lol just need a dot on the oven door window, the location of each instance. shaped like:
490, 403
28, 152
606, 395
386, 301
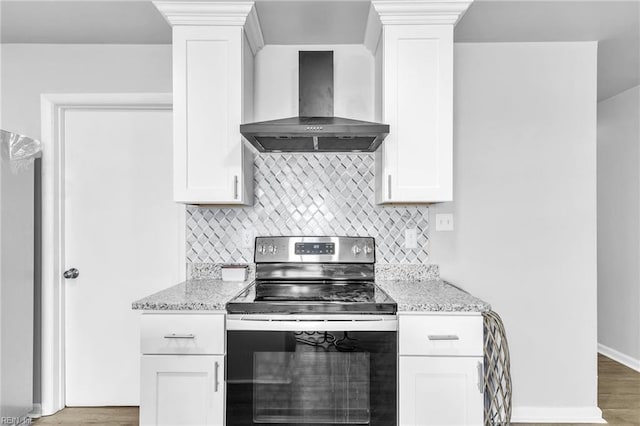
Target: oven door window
311, 378
311, 385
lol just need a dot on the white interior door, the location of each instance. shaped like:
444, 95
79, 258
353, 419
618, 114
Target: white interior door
125, 235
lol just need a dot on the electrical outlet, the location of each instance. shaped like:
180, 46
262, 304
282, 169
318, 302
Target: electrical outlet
248, 238
411, 238
444, 222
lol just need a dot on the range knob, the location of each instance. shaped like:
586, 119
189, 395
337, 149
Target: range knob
367, 250
271, 249
356, 250
262, 249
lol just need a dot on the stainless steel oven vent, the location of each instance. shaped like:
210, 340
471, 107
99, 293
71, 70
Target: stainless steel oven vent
316, 129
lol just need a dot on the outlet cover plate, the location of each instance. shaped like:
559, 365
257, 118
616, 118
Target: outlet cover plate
444, 222
248, 238
411, 238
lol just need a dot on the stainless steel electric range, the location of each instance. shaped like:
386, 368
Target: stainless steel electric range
313, 340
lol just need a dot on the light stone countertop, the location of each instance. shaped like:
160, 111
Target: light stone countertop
192, 295
431, 296
410, 295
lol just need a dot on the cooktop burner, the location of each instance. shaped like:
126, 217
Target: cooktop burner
347, 292
296, 275
309, 298
300, 298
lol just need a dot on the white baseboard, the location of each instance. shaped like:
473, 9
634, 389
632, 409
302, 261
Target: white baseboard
619, 357
557, 415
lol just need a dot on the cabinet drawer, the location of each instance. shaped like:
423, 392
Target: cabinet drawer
182, 334
440, 335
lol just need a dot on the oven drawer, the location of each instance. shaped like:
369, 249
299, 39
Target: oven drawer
440, 335
182, 334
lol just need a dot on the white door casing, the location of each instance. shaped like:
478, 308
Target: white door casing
57, 112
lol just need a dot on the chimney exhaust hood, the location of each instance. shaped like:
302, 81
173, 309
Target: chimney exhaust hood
315, 129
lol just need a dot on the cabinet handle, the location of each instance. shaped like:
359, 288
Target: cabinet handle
389, 187
480, 377
180, 336
235, 187
443, 337
215, 373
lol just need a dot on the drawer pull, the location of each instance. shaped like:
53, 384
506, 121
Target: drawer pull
443, 337
216, 382
180, 336
235, 187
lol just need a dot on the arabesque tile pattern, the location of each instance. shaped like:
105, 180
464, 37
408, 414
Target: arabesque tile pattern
308, 194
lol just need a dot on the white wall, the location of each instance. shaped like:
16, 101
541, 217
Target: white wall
31, 69
619, 226
525, 214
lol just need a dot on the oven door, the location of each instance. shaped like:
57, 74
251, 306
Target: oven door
304, 370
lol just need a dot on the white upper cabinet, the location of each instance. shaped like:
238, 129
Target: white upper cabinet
413, 45
214, 44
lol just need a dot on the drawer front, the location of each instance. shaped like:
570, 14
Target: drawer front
182, 334
440, 335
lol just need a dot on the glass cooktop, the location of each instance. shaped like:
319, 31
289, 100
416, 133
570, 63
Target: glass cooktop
298, 297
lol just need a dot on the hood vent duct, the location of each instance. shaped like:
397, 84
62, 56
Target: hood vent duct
315, 129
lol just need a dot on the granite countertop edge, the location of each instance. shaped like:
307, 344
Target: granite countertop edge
178, 306
410, 295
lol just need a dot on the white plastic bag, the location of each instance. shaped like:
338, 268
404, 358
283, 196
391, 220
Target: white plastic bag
19, 150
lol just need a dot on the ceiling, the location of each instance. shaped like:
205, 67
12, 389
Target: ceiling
615, 24
88, 21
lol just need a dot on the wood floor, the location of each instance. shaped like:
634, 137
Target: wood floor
618, 392
618, 397
108, 416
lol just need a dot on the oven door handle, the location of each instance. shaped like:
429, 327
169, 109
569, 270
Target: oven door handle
260, 323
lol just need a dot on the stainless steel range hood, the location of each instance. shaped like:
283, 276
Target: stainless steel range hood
315, 129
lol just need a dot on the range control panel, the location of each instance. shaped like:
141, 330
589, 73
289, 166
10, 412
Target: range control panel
315, 250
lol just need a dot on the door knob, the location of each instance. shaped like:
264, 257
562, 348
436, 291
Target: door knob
71, 273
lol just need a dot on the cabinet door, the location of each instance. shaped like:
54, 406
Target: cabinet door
210, 159
182, 390
417, 82
440, 391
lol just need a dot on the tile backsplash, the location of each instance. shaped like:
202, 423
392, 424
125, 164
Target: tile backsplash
308, 194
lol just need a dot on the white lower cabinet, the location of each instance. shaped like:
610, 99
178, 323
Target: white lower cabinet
182, 374
440, 391
440, 370
182, 390
183, 369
